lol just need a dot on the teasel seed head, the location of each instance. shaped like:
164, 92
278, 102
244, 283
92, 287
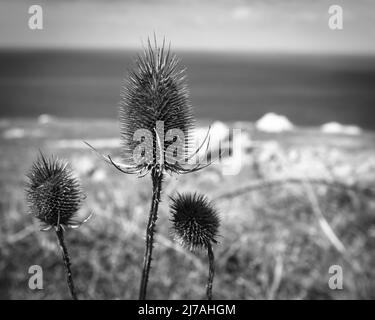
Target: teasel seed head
195, 221
155, 100
155, 91
53, 194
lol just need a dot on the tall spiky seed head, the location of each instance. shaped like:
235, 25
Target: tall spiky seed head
195, 221
155, 92
53, 194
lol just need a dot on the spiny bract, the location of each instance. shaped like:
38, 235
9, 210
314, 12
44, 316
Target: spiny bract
195, 220
53, 194
155, 92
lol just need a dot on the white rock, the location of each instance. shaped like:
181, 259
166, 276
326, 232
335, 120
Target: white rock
272, 122
337, 128
45, 118
219, 130
14, 133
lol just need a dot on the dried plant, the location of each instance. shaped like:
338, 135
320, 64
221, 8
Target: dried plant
195, 224
155, 100
54, 197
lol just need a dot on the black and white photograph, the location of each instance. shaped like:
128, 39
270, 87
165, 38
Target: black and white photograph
187, 150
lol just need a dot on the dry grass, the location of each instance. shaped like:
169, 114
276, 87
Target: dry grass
272, 245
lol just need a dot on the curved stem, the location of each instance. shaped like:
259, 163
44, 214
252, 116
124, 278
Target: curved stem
65, 255
157, 178
211, 271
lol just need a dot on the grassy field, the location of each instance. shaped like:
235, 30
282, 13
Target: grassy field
276, 239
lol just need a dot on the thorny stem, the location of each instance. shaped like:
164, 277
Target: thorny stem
211, 271
65, 255
157, 178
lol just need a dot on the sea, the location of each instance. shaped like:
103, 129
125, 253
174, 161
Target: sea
308, 89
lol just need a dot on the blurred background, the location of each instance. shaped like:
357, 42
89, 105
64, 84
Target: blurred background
303, 95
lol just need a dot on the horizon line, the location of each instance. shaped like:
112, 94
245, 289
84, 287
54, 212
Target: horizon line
235, 51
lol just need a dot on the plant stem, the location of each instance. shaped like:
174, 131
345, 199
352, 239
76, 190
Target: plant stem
211, 271
157, 178
65, 255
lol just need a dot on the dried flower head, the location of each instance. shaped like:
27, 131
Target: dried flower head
195, 220
155, 101
155, 98
155, 91
53, 194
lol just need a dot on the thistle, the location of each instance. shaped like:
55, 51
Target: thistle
54, 197
154, 104
155, 100
195, 224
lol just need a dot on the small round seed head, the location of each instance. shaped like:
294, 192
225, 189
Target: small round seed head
195, 221
54, 196
155, 92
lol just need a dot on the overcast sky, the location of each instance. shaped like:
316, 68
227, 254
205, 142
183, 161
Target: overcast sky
231, 25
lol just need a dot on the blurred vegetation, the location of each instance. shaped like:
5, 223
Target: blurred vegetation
272, 244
